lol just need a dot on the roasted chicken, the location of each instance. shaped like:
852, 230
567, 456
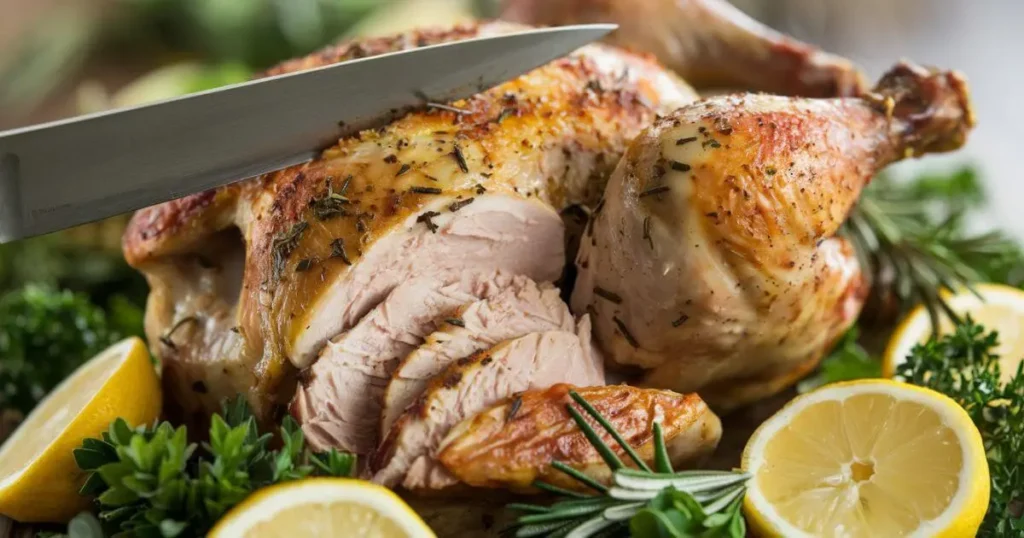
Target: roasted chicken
713, 263
400, 295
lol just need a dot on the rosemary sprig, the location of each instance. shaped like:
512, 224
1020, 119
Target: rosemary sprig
911, 241
639, 502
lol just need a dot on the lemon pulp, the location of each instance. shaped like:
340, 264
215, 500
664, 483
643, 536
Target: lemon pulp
869, 465
345, 518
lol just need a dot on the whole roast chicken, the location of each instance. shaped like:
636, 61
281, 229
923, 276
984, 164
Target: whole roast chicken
402, 295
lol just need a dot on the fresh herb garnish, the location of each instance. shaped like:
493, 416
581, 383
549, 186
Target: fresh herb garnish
963, 366
912, 243
640, 502
149, 481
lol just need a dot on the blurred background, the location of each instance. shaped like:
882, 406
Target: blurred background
60, 58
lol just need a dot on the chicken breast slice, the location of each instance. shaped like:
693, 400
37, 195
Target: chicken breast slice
513, 443
407, 456
516, 311
338, 399
323, 242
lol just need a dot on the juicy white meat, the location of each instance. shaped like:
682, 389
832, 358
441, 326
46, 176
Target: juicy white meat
407, 456
717, 240
513, 443
338, 399
325, 241
515, 312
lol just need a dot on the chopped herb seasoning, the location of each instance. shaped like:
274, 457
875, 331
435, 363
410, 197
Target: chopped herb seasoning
770, 170
304, 265
647, 232
404, 168
165, 338
391, 159
655, 190
687, 140
449, 108
480, 189
455, 206
236, 330
426, 218
460, 158
331, 204
605, 294
514, 409
625, 332
681, 320
594, 85
425, 190
505, 112
455, 321
680, 167
710, 142
338, 251
344, 186
600, 206
284, 245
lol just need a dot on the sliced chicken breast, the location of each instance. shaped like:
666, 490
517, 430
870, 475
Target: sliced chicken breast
407, 456
476, 183
338, 399
512, 444
516, 311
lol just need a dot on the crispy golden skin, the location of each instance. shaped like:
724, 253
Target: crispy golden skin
512, 444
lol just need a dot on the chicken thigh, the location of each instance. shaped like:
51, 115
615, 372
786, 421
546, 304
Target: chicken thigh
712, 263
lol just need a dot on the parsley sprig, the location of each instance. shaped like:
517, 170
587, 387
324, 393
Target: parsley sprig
640, 501
150, 481
963, 366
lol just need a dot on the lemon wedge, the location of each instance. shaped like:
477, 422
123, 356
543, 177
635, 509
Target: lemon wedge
39, 480
322, 507
1000, 308
867, 458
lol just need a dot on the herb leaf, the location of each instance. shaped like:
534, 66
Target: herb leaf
150, 481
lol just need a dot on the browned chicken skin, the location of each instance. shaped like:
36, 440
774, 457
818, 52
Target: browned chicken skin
512, 444
709, 43
710, 261
717, 237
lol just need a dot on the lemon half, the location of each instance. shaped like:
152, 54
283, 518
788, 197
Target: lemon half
867, 459
322, 507
1001, 308
39, 480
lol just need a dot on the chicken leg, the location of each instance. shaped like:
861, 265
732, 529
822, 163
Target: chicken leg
713, 263
710, 43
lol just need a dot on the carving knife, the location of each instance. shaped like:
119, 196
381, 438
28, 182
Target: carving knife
70, 172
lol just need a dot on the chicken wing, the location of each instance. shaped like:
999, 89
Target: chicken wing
709, 42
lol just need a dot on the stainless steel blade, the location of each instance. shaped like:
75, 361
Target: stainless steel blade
70, 172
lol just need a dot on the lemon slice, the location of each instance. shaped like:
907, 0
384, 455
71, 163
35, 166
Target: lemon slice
1002, 310
867, 459
39, 480
322, 507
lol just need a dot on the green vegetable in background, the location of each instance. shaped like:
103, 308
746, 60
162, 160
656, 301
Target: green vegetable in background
847, 360
44, 335
962, 366
149, 481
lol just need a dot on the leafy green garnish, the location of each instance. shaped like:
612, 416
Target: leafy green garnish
44, 335
912, 240
150, 481
963, 366
640, 502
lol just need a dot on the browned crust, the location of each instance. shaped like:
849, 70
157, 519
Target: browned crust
513, 443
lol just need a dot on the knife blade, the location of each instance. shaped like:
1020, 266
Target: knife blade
71, 172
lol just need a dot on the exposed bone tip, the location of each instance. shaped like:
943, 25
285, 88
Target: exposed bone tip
931, 108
